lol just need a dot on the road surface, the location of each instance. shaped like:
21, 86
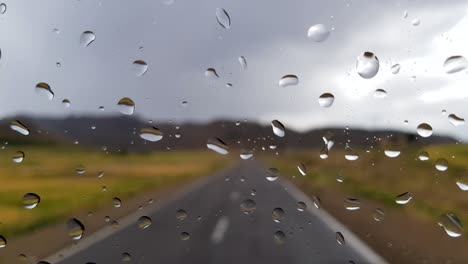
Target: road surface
218, 231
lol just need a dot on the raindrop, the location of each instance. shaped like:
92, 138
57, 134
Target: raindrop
115, 224
211, 74
151, 134
441, 164
404, 198
18, 157
87, 38
367, 65
324, 153
329, 140
455, 64
248, 206
278, 128
243, 63
218, 146
58, 64
17, 126
340, 239
80, 169
326, 100
352, 204
302, 169
351, 155
181, 215
288, 80
279, 237
380, 93
66, 103
43, 89
139, 67
318, 33
223, 18
391, 153
144, 222
423, 156
3, 242
424, 130
277, 214
3, 8
451, 225
455, 120
31, 200
317, 202
184, 236
126, 106
75, 229
246, 154
415, 22
462, 184
301, 206
396, 68
378, 215
117, 202
272, 174
126, 257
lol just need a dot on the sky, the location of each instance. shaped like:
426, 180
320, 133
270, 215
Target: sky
180, 39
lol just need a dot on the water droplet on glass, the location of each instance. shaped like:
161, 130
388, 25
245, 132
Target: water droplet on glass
404, 198
223, 18
415, 22
43, 89
75, 229
151, 134
139, 67
279, 237
317, 202
424, 130
17, 126
80, 169
211, 74
272, 174
367, 65
18, 157
352, 204
87, 38
31, 200
3, 8
288, 80
301, 206
66, 103
396, 68
351, 155
144, 222
248, 206
380, 93
126, 257
115, 224
423, 156
116, 202
184, 236
246, 154
3, 242
278, 128
455, 120
318, 33
277, 214
378, 215
441, 164
340, 239
126, 106
181, 215
391, 153
463, 184
218, 146
455, 64
451, 225
243, 63
302, 169
326, 100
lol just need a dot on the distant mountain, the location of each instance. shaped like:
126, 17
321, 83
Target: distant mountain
122, 133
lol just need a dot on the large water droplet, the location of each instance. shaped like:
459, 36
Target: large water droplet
80, 169
302, 169
248, 206
278, 214
380, 93
144, 222
318, 33
463, 184
396, 68
404, 198
246, 154
243, 63
75, 229
126, 257
116, 202
367, 65
151, 134
329, 140
218, 146
441, 164
3, 242
378, 215
18, 157
352, 204
351, 155
31, 200
317, 202
223, 18
43, 89
451, 225
3, 8
340, 239
455, 120
301, 206
455, 64
126, 106
139, 68
272, 174
181, 214
278, 128
66, 103
423, 156
279, 237
424, 130
326, 100
184, 236
211, 74
392, 153
87, 38
288, 80
17, 126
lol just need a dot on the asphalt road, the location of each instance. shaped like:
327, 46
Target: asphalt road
219, 232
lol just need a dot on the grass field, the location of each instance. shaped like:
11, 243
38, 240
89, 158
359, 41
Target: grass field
50, 172
377, 177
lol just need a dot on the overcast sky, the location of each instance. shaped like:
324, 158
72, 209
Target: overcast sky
180, 39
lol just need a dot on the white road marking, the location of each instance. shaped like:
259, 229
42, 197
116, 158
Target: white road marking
220, 229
